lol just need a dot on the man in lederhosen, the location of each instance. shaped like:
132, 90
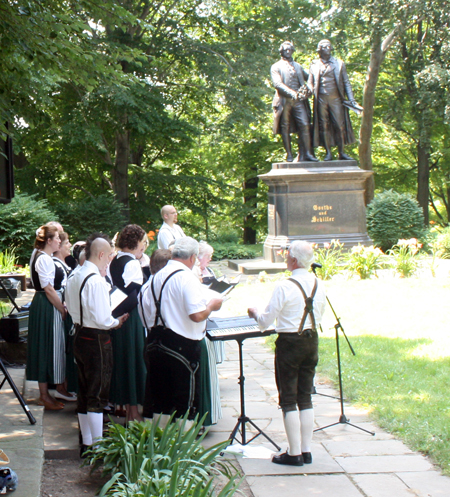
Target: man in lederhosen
297, 304
93, 322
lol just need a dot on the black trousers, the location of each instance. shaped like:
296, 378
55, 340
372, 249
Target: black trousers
173, 374
93, 352
296, 358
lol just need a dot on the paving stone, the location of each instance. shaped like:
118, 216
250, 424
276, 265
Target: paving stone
366, 448
384, 464
27, 463
427, 484
346, 432
382, 486
322, 463
303, 486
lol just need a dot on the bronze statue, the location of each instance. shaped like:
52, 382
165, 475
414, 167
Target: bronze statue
290, 104
329, 83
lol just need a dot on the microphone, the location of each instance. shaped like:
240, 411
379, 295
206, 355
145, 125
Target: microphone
315, 265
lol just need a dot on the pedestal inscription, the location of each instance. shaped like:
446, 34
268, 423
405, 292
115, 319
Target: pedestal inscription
316, 202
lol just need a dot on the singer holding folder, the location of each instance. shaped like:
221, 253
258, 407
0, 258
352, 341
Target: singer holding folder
129, 372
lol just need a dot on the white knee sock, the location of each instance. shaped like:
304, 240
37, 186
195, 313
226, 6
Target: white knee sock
292, 426
85, 429
96, 425
306, 428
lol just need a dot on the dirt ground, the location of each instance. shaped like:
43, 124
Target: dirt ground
65, 478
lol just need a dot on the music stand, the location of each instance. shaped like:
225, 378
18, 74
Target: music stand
5, 372
338, 326
243, 418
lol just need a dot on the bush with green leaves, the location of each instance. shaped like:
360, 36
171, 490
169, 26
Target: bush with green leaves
235, 251
81, 218
19, 221
144, 460
392, 216
442, 240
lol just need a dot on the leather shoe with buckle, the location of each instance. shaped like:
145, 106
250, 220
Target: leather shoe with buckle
288, 460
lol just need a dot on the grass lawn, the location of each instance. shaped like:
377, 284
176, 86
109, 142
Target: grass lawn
400, 330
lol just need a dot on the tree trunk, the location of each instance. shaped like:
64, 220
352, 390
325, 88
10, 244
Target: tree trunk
377, 55
250, 201
120, 171
423, 179
365, 133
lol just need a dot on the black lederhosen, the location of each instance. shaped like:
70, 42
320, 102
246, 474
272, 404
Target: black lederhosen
92, 349
296, 358
172, 373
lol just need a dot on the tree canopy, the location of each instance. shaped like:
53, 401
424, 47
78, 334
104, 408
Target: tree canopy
169, 101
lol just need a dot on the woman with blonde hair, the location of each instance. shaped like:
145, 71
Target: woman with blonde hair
46, 342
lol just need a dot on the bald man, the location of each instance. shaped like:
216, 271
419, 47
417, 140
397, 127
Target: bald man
87, 300
169, 231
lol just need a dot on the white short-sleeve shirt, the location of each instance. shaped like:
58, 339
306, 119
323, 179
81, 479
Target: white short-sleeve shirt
182, 296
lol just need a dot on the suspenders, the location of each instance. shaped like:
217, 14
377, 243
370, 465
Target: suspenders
309, 306
157, 301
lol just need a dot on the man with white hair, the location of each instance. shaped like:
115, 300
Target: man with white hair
297, 304
173, 308
169, 231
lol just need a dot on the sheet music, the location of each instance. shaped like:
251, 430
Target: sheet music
117, 297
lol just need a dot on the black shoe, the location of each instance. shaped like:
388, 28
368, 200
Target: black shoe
307, 457
344, 157
83, 450
288, 460
328, 157
289, 158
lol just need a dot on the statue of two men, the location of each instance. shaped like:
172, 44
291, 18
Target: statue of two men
328, 82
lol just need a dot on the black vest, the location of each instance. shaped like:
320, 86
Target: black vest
116, 268
59, 275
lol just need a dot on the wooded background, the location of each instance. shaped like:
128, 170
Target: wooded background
152, 102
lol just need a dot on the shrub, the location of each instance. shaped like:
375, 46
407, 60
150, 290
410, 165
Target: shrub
235, 251
443, 241
19, 221
391, 216
80, 218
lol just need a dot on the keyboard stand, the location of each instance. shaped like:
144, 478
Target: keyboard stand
243, 419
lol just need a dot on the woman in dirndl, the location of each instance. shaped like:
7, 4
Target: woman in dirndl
129, 371
46, 361
59, 258
211, 352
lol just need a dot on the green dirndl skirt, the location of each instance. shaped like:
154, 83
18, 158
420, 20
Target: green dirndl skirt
71, 365
40, 357
129, 371
205, 385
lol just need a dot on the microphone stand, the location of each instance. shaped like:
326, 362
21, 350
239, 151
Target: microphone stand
338, 326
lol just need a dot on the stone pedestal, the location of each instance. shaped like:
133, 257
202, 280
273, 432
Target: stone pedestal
316, 202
